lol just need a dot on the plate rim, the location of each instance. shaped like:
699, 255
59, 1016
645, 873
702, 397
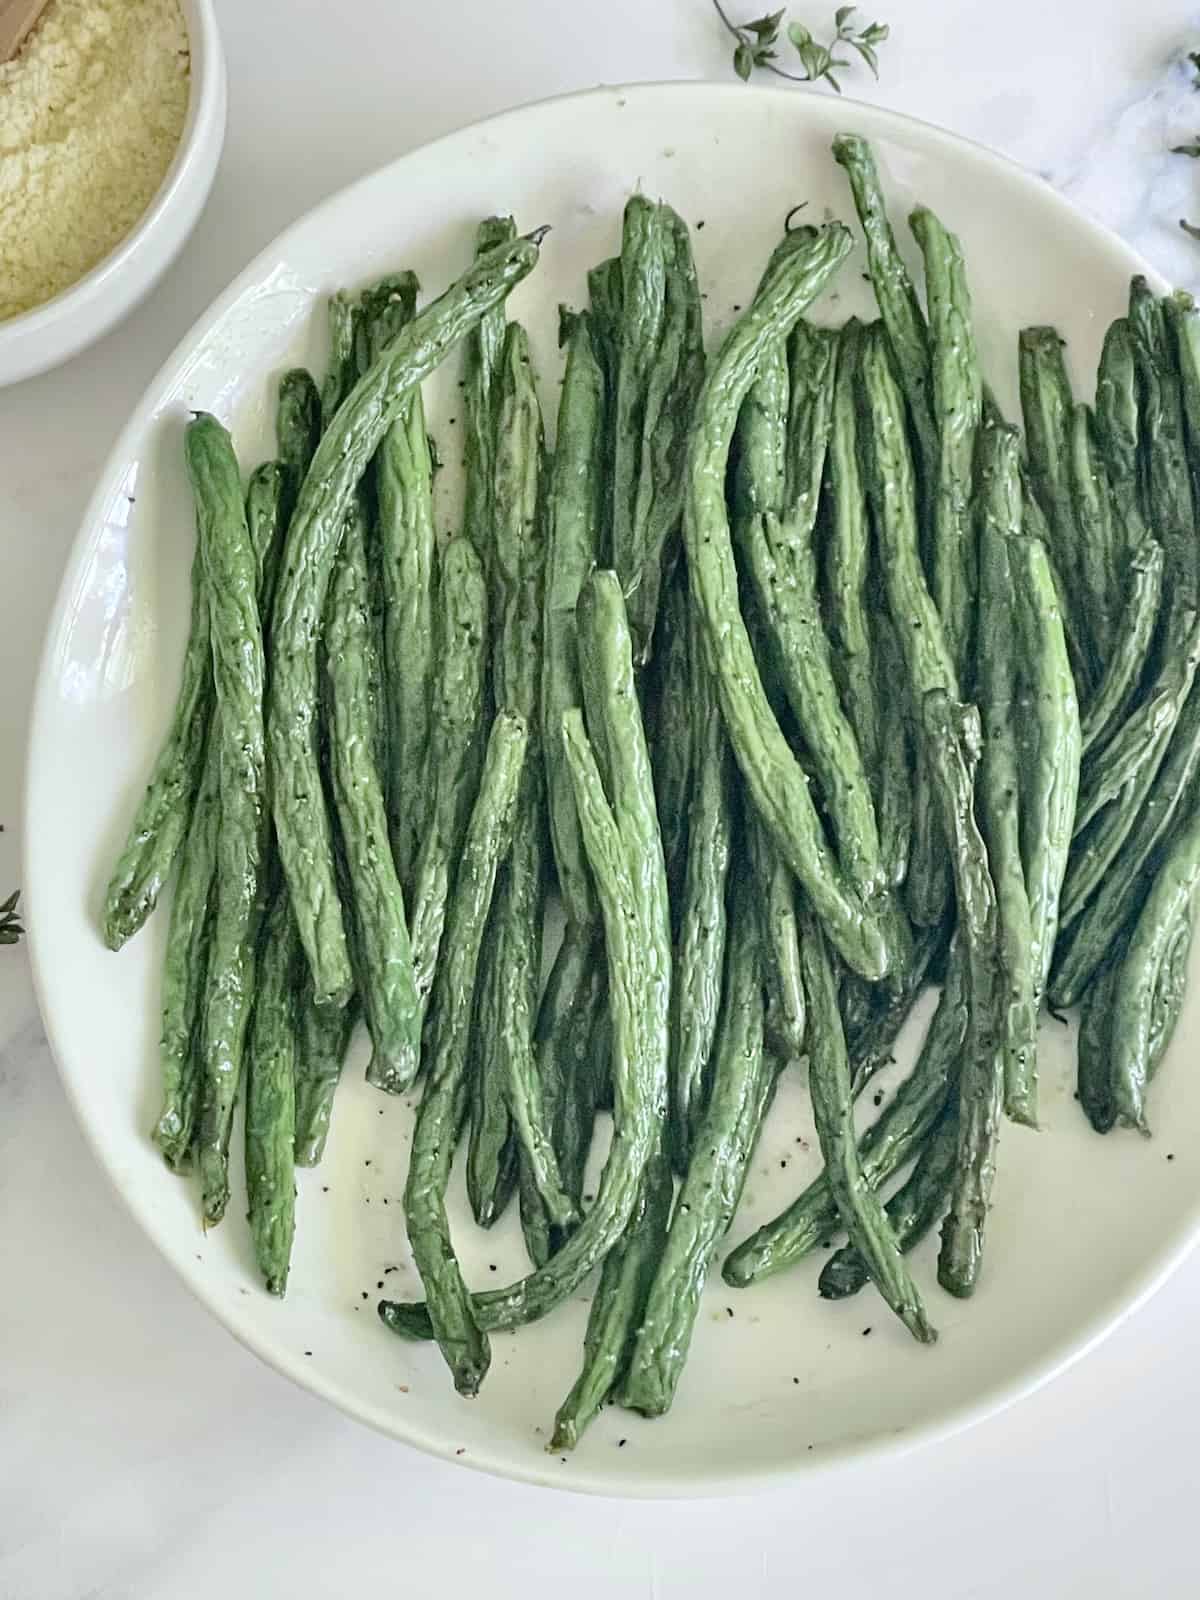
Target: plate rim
862, 116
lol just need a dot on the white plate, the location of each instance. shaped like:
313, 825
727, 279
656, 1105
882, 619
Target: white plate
777, 1381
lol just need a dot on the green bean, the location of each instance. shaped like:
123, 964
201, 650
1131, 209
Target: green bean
776, 887
906, 331
574, 549
911, 1212
456, 739
801, 267
323, 1036
1047, 405
887, 1146
894, 769
572, 999
160, 824
1116, 762
742, 1084
761, 456
271, 1096
673, 739
482, 351
519, 547
185, 963
1036, 526
782, 563
1118, 424
924, 648
612, 709
1138, 748
1050, 769
604, 293
872, 1043
956, 392
846, 566
859, 1206
1183, 333
238, 674
617, 1307
857, 1000
384, 310
954, 733
700, 940
624, 851
1163, 448
385, 965
999, 767
643, 305
340, 372
302, 825
407, 561
266, 519
194, 902
1085, 943
297, 427
1096, 1023
1169, 991
1132, 635
489, 831
812, 355
673, 382
1101, 1025
784, 578
1100, 559
606, 298
492, 1147
1170, 900
653, 327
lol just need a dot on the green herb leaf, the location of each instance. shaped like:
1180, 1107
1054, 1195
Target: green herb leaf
10, 919
765, 29
754, 42
1192, 149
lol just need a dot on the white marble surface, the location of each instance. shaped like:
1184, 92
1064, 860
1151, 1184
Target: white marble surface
143, 1454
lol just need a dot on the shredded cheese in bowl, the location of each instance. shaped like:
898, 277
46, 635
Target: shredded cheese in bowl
91, 114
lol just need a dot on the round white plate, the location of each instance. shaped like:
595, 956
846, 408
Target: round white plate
777, 1382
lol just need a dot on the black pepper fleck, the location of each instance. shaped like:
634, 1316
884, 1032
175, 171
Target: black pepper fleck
621, 1443
1170, 1155
865, 1332
729, 1310
879, 1097
365, 1295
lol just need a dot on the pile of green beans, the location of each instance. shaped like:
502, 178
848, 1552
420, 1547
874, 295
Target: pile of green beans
795, 677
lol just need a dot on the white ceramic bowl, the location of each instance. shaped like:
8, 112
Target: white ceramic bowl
777, 1382
62, 327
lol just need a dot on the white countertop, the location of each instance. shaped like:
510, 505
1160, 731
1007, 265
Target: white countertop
143, 1454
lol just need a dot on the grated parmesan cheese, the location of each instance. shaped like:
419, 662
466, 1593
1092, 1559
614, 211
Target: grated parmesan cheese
91, 111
